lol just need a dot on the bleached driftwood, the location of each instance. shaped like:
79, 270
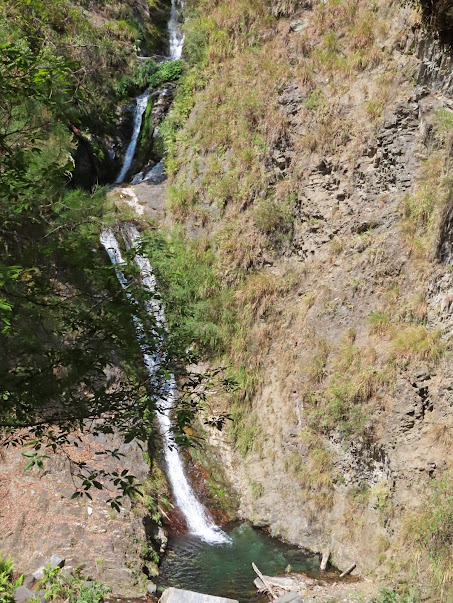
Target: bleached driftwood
325, 559
265, 582
348, 571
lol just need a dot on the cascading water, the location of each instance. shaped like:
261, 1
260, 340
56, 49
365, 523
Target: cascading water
176, 46
198, 520
174, 29
140, 106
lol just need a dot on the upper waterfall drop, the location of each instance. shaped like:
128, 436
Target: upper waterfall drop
197, 517
140, 106
174, 29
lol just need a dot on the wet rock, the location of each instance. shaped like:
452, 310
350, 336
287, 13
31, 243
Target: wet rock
151, 588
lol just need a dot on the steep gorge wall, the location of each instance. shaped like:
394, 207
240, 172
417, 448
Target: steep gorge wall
315, 165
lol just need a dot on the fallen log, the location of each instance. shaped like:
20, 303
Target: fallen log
259, 585
325, 559
265, 582
348, 571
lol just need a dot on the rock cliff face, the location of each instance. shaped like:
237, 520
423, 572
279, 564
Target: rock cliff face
39, 519
327, 175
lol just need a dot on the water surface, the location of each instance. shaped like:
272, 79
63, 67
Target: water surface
225, 569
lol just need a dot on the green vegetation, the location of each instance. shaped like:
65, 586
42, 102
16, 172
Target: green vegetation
380, 323
417, 343
167, 72
314, 469
100, 45
7, 582
66, 326
60, 586
156, 495
430, 532
343, 402
425, 208
216, 163
245, 429
214, 480
148, 73
387, 596
218, 322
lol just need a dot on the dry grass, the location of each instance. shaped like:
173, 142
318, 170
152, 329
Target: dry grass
415, 343
240, 250
380, 323
316, 370
313, 469
257, 294
428, 535
441, 434
423, 209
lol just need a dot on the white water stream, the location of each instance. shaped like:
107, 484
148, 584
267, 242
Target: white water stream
141, 103
198, 520
174, 29
197, 517
176, 46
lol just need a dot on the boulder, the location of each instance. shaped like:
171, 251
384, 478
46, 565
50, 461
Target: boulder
56, 561
23, 594
176, 595
289, 598
38, 575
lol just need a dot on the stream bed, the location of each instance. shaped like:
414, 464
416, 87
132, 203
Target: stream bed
225, 569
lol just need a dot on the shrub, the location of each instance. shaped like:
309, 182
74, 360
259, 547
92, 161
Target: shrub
431, 531
74, 588
275, 218
169, 71
380, 323
245, 429
181, 200
386, 596
7, 582
417, 343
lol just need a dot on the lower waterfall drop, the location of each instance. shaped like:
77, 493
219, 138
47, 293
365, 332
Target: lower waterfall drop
197, 517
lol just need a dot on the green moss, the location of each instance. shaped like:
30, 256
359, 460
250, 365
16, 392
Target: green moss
146, 142
220, 494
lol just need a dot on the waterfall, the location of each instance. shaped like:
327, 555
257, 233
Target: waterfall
197, 517
176, 46
140, 106
198, 520
174, 29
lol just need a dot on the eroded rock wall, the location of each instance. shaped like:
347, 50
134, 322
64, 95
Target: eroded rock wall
350, 425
